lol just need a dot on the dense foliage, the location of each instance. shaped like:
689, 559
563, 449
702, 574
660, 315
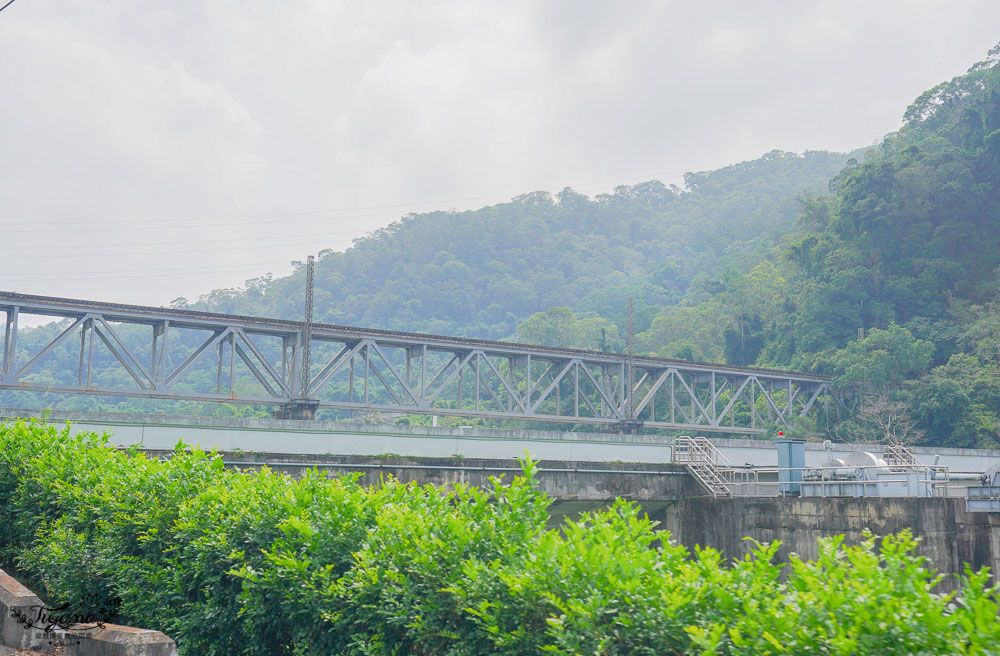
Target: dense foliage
480, 273
230, 562
891, 282
911, 235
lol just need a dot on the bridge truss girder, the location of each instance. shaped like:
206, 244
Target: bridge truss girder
258, 361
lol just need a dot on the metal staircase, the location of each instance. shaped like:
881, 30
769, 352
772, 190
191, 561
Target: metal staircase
899, 458
706, 463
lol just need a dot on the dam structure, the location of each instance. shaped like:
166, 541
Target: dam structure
586, 471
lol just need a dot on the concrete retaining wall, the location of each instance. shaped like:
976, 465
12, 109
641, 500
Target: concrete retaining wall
575, 487
950, 536
17, 600
557, 478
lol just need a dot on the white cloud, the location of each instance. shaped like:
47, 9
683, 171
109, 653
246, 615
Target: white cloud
729, 41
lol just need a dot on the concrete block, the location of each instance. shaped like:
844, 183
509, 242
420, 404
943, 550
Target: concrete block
115, 640
18, 601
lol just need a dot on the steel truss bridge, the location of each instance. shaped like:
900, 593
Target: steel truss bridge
162, 353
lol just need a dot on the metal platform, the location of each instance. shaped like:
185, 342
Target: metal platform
985, 498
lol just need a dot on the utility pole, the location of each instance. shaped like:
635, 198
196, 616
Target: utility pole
629, 368
307, 328
303, 407
630, 423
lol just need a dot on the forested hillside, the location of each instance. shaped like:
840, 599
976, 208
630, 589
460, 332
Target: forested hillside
890, 281
481, 273
486, 272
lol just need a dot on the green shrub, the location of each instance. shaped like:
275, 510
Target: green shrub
231, 562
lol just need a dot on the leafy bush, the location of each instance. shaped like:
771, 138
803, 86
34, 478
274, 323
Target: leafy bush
231, 562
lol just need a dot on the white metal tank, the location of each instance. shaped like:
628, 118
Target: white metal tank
868, 464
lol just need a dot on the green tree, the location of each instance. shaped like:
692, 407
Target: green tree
559, 326
958, 403
882, 359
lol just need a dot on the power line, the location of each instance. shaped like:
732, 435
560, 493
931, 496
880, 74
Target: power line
171, 224
161, 253
117, 277
324, 212
211, 249
271, 239
377, 209
7, 5
209, 268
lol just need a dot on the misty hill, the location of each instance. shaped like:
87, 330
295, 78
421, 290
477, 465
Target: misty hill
543, 269
481, 273
891, 281
909, 236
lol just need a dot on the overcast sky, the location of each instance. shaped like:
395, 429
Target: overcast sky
150, 150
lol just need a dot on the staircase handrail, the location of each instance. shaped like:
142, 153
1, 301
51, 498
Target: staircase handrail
706, 463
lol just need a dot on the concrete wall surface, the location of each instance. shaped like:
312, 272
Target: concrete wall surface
327, 437
23, 620
557, 478
950, 536
574, 487
341, 438
17, 600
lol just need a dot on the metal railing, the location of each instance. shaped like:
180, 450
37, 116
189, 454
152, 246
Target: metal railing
706, 463
864, 481
900, 458
908, 478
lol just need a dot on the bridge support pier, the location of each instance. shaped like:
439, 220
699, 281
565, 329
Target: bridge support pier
629, 427
304, 409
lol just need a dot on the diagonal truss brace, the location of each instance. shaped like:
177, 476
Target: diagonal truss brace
401, 372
